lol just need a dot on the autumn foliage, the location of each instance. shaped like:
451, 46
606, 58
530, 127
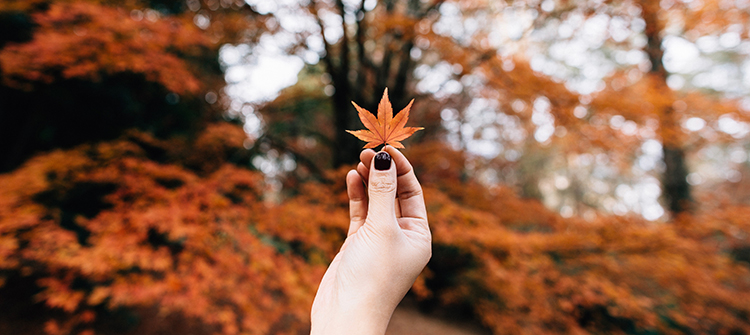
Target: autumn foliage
91, 35
105, 226
143, 212
524, 270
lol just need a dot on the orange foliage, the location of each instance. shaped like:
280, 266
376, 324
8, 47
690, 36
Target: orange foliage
141, 234
174, 232
85, 40
210, 249
524, 270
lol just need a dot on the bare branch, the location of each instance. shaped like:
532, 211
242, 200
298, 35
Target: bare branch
344, 51
316, 172
404, 68
327, 47
364, 62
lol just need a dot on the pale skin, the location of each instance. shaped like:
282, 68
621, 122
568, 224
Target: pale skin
387, 246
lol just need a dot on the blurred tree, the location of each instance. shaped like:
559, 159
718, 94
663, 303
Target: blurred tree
365, 48
671, 107
82, 71
104, 238
674, 180
378, 54
571, 118
666, 105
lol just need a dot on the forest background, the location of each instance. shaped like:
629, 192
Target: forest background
584, 163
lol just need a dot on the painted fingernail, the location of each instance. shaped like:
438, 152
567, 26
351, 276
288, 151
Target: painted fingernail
382, 161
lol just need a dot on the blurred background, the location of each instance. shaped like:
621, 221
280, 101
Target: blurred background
177, 167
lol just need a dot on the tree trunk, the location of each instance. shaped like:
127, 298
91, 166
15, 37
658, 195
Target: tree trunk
345, 146
676, 188
674, 181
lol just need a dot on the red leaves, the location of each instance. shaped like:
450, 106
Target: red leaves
385, 129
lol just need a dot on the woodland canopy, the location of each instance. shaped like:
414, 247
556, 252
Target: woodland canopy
178, 166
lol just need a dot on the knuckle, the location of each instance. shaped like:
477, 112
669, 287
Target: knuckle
382, 185
408, 194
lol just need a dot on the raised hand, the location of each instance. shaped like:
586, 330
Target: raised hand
387, 246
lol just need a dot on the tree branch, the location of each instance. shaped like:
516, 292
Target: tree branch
404, 68
364, 63
327, 47
316, 172
344, 51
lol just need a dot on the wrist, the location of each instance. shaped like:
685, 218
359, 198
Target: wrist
355, 317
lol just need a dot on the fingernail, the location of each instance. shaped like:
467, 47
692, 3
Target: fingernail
382, 161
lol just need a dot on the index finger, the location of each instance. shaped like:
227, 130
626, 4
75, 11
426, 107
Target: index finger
363, 168
408, 189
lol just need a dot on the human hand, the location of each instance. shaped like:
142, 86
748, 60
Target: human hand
387, 246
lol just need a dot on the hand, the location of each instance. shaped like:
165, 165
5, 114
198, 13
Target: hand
387, 246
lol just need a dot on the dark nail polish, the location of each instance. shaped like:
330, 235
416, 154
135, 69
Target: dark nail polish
382, 161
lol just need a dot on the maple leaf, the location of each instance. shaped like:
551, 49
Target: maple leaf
385, 129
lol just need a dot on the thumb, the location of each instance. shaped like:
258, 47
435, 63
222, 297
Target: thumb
381, 211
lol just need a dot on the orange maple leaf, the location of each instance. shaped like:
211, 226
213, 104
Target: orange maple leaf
385, 129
